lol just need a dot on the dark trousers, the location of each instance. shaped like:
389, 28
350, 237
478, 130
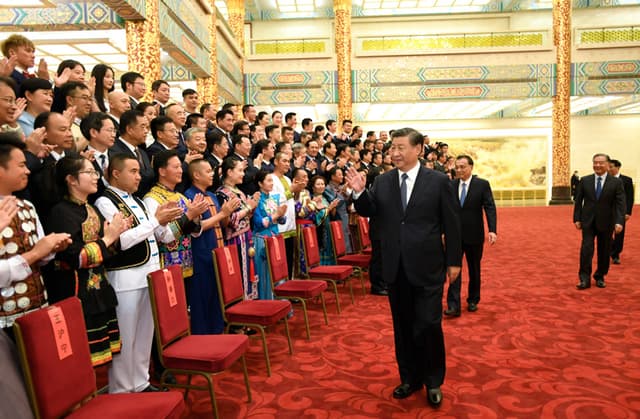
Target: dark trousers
589, 235
617, 244
417, 331
375, 267
473, 254
289, 246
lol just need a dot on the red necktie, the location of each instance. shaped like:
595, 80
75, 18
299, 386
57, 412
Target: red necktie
28, 75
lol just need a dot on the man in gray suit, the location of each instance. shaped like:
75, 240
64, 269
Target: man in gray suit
598, 211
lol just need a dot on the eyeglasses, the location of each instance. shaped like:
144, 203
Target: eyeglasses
139, 83
9, 99
93, 173
83, 97
111, 130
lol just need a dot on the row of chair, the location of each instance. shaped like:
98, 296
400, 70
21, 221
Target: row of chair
45, 353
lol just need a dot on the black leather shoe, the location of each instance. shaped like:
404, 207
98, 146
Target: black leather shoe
380, 292
450, 312
583, 285
153, 389
405, 390
169, 378
600, 283
434, 397
616, 261
472, 307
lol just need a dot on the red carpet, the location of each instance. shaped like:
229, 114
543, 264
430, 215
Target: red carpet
537, 347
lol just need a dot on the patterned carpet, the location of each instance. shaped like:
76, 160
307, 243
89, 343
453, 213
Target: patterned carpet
537, 347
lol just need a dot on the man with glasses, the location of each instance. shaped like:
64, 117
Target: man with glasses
179, 117
77, 96
165, 133
100, 129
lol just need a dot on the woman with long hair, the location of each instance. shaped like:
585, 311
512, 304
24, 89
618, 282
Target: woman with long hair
276, 118
104, 84
238, 229
79, 270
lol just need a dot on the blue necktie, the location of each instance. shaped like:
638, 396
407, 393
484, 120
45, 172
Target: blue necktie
598, 187
403, 191
463, 193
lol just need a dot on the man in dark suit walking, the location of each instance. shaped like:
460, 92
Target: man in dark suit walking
627, 185
474, 197
414, 207
598, 211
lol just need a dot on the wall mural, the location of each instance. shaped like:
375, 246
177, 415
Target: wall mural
507, 162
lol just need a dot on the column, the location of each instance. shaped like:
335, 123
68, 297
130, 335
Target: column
208, 86
561, 116
143, 46
342, 11
235, 8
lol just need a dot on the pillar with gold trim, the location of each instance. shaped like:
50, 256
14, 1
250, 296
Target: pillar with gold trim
235, 9
561, 116
208, 86
342, 11
143, 46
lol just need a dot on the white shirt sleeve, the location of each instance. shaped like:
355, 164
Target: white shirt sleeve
13, 269
133, 236
163, 233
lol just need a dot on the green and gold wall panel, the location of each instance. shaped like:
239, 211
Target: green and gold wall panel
296, 87
181, 46
64, 16
128, 9
476, 82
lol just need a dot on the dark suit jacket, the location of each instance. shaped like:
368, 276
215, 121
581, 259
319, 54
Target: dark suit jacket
101, 186
146, 172
603, 212
18, 77
413, 237
154, 149
627, 184
479, 198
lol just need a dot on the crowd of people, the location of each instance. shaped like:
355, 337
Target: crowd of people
100, 188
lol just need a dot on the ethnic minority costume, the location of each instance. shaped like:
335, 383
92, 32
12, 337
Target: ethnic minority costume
238, 232
206, 314
321, 220
127, 273
334, 191
21, 287
282, 186
264, 225
178, 251
305, 209
82, 264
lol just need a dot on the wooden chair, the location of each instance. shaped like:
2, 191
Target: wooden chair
358, 262
255, 314
296, 289
180, 351
61, 382
329, 273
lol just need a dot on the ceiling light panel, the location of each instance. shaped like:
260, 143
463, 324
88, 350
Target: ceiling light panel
60, 49
98, 49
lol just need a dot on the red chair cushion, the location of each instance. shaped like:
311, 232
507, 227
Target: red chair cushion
262, 312
310, 241
301, 288
173, 321
335, 272
361, 261
229, 273
212, 353
366, 251
168, 405
73, 377
277, 258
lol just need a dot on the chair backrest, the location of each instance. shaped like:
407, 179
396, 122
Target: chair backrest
310, 245
169, 304
228, 275
337, 239
363, 229
276, 258
55, 358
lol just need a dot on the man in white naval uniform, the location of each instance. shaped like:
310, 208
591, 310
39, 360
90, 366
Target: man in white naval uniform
127, 272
